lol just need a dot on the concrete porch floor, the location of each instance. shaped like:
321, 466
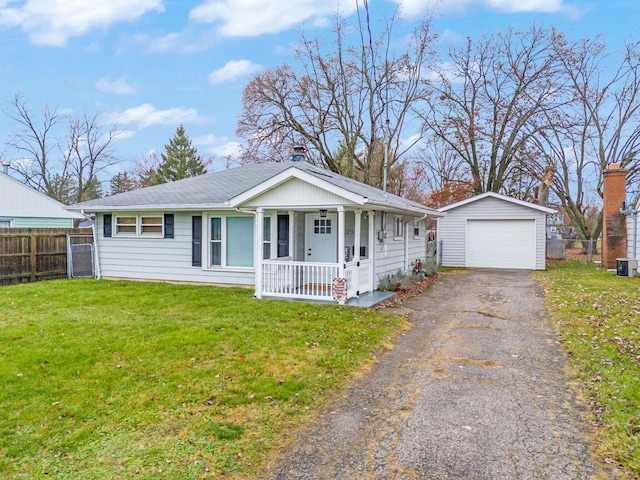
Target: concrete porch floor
369, 299
366, 300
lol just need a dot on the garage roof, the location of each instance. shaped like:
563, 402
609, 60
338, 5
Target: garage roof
499, 197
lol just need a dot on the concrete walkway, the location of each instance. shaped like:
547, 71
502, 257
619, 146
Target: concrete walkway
477, 389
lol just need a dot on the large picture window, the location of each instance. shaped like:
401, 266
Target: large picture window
231, 242
240, 241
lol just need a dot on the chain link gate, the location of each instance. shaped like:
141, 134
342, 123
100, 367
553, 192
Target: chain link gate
80, 256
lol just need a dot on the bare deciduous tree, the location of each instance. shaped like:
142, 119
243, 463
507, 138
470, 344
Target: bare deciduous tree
65, 168
350, 96
490, 98
600, 126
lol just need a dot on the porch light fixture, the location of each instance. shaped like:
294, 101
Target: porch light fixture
323, 213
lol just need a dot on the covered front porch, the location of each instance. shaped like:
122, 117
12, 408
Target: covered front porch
321, 254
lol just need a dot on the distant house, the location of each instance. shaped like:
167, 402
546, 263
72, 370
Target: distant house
23, 207
289, 229
633, 232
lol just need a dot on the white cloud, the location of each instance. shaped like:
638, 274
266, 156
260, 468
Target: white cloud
124, 134
53, 22
146, 115
414, 8
549, 6
218, 146
120, 86
233, 70
250, 18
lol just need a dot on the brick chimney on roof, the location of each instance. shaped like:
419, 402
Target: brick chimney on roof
614, 231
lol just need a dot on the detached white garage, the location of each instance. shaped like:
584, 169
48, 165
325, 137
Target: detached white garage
493, 231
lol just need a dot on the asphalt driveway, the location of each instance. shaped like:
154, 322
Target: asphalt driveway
477, 389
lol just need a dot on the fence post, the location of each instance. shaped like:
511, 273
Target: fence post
69, 260
33, 256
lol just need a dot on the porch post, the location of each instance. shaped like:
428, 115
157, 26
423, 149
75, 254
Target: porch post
257, 249
356, 248
292, 219
341, 232
372, 249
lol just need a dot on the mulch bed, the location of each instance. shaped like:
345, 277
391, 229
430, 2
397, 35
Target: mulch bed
415, 289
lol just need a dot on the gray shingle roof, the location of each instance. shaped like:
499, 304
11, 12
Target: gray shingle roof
216, 188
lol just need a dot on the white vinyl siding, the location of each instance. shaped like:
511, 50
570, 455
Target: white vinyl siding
304, 193
152, 258
30, 208
39, 222
390, 255
631, 237
452, 228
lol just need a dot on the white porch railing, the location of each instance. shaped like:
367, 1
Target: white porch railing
298, 279
360, 284
305, 280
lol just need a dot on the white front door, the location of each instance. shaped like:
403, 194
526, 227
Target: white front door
322, 238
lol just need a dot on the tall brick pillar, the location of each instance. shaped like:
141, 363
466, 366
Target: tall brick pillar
614, 230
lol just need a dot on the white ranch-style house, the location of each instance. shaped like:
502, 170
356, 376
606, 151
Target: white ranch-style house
289, 229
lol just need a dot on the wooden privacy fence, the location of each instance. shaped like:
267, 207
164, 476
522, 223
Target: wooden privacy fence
34, 254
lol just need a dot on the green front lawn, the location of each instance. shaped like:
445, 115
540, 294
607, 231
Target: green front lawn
106, 379
598, 316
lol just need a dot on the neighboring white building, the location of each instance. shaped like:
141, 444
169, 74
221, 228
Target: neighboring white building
633, 233
289, 229
493, 231
23, 207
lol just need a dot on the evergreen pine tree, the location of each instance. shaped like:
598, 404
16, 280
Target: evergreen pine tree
180, 160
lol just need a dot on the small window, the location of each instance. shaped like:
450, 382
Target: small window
151, 225
416, 228
322, 226
398, 230
216, 241
266, 238
5, 223
126, 225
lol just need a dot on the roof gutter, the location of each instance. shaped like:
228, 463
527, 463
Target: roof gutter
388, 206
145, 208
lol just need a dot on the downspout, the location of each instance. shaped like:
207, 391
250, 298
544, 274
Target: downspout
96, 255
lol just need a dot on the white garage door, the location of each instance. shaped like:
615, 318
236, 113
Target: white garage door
501, 243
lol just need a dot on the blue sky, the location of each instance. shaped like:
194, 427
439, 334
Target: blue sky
150, 65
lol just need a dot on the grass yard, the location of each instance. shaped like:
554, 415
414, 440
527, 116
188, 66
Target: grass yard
116, 379
598, 316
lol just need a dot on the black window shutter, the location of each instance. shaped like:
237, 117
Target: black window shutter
196, 241
168, 225
283, 235
107, 225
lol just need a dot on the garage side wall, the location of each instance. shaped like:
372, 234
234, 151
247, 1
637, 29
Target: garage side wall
452, 228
